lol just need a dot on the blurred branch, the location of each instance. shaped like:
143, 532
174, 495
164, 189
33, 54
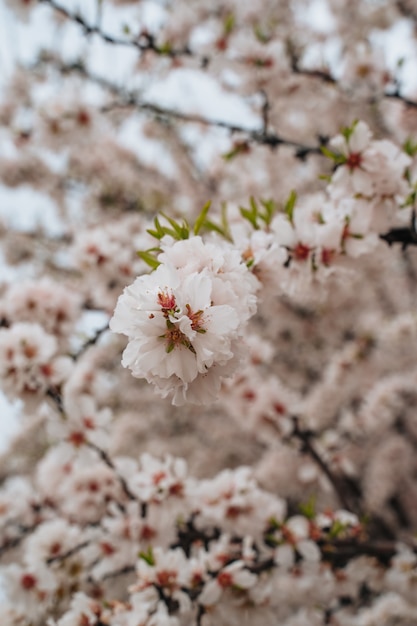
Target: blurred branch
339, 552
66, 555
347, 493
14, 542
325, 76
108, 461
406, 10
127, 99
144, 42
56, 397
406, 236
90, 342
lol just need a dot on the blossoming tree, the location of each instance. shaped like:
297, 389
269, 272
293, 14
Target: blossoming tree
208, 327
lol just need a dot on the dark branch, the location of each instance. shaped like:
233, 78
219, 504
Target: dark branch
107, 461
340, 485
130, 100
9, 544
142, 43
91, 342
406, 236
66, 555
339, 552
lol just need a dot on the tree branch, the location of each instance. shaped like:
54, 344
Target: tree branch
127, 99
340, 485
142, 43
406, 236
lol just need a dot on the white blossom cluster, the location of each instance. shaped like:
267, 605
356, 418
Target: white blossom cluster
186, 319
205, 555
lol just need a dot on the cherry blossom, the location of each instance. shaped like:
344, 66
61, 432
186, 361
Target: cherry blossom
207, 313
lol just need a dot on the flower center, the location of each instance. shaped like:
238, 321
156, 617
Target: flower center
175, 337
196, 319
301, 252
354, 160
167, 302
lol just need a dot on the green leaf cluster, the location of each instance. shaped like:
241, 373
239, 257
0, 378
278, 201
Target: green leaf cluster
180, 230
259, 216
308, 509
176, 230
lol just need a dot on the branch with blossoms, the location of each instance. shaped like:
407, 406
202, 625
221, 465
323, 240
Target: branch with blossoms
267, 305
173, 333
143, 43
130, 100
146, 42
80, 440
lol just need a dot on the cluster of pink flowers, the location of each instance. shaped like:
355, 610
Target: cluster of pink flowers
29, 361
185, 320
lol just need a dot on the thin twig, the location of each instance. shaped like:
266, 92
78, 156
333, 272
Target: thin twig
66, 555
338, 483
90, 342
128, 99
143, 43
107, 461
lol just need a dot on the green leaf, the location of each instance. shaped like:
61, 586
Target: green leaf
290, 204
159, 232
229, 23
248, 215
337, 529
181, 231
222, 228
225, 222
308, 509
270, 208
271, 540
165, 48
261, 35
216, 228
149, 258
148, 556
240, 147
251, 215
200, 221
339, 159
273, 524
347, 131
410, 147
410, 200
